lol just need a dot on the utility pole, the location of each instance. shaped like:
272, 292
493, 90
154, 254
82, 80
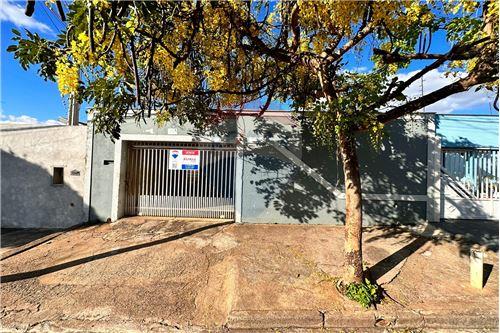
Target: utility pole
73, 111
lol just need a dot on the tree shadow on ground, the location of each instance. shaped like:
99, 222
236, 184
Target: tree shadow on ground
29, 199
416, 240
14, 237
466, 234
385, 265
59, 267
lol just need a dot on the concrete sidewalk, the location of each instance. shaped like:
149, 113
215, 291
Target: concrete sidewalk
149, 274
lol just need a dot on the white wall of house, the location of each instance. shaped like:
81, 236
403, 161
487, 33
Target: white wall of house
29, 154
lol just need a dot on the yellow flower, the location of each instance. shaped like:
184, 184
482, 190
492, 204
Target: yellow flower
67, 77
82, 37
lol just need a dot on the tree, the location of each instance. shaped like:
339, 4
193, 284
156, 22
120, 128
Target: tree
187, 59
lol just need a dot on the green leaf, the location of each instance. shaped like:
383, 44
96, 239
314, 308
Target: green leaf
12, 48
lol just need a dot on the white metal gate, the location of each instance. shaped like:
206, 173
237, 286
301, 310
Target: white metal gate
470, 183
475, 169
154, 189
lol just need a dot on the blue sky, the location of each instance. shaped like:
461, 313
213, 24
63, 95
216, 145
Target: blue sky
25, 97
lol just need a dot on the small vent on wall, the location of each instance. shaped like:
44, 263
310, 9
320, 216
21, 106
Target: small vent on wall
108, 162
58, 176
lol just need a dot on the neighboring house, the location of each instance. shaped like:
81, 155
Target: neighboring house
470, 188
42, 175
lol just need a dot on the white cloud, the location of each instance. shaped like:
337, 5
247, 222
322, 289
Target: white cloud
361, 69
23, 119
14, 13
435, 80
52, 122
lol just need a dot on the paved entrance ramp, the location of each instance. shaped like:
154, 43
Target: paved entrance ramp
152, 274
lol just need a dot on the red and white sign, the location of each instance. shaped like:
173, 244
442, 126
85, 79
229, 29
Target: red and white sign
184, 159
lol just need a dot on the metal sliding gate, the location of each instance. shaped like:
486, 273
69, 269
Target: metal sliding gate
157, 186
474, 169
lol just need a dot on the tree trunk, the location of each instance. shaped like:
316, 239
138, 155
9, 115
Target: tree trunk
353, 259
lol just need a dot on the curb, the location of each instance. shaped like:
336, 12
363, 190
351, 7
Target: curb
366, 321
265, 319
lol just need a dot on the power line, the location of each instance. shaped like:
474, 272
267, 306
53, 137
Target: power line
55, 15
46, 13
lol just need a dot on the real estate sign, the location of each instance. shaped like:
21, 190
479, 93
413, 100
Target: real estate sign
184, 159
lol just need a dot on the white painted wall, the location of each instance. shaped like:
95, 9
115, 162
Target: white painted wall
455, 207
28, 155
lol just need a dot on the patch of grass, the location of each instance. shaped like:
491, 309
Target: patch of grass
364, 293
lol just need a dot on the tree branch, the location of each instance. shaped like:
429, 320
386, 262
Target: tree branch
362, 33
440, 60
294, 23
270, 96
136, 72
461, 85
257, 44
401, 87
457, 52
91, 27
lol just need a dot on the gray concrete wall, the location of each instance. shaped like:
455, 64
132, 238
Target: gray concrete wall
101, 183
28, 155
276, 190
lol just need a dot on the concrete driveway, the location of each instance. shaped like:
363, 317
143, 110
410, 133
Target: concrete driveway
152, 274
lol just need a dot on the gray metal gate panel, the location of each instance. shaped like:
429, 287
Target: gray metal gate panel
153, 189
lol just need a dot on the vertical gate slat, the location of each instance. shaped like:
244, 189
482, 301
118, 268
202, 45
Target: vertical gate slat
146, 205
136, 182
218, 182
224, 183
156, 181
209, 187
154, 175
164, 180
170, 185
141, 192
227, 177
150, 181
204, 180
134, 187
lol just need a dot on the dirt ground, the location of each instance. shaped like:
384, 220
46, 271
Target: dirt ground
152, 274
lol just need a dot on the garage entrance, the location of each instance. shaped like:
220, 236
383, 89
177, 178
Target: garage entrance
180, 179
